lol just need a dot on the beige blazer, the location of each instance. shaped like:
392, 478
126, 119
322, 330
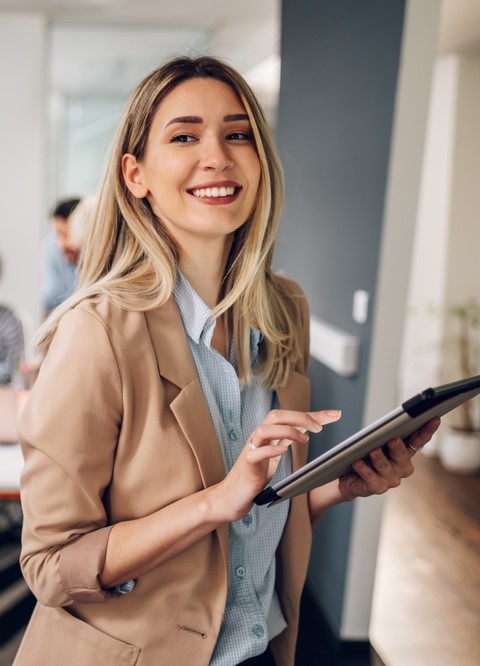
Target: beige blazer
117, 427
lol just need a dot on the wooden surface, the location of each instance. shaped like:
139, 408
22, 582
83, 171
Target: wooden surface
426, 609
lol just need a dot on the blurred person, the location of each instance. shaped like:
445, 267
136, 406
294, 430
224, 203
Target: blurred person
59, 261
78, 225
12, 344
173, 388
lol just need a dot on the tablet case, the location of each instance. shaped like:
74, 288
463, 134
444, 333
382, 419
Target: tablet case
401, 422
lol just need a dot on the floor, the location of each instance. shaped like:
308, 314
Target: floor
426, 608
317, 645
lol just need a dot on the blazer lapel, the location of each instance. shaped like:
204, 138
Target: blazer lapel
176, 365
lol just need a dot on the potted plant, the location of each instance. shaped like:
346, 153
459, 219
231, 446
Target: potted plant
460, 443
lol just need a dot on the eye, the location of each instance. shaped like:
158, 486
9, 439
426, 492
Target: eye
239, 136
182, 138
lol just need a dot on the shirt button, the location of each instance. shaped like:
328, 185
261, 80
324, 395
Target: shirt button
240, 571
233, 435
247, 520
257, 630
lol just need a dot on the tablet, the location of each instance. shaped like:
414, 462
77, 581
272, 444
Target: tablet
401, 422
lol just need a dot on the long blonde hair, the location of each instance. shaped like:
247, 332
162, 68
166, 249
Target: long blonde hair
129, 256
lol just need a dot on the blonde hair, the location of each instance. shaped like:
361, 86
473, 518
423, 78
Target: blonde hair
78, 223
129, 256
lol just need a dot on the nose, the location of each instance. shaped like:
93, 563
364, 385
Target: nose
216, 156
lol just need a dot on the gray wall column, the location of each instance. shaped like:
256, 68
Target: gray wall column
338, 103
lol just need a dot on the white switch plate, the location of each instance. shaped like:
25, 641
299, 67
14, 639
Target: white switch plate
333, 347
360, 306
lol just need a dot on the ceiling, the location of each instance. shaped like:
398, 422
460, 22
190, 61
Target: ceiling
107, 46
165, 12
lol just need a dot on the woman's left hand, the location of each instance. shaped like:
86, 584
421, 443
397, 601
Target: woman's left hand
382, 472
385, 470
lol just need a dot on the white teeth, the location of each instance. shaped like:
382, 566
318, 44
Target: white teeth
213, 192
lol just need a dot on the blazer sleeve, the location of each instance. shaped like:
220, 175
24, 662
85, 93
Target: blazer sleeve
68, 433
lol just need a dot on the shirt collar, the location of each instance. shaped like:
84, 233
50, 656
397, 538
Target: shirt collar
197, 317
195, 313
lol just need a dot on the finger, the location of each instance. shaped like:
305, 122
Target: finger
325, 416
260, 454
276, 434
311, 421
375, 483
420, 437
394, 466
380, 461
398, 451
288, 442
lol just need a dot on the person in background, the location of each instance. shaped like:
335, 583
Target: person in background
78, 225
59, 261
12, 343
173, 388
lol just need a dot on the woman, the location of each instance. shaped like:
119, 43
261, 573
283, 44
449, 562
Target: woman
173, 384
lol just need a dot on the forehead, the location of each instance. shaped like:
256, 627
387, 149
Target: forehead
200, 96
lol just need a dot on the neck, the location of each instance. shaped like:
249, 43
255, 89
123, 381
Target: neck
204, 268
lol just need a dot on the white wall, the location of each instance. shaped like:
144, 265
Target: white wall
421, 351
445, 268
22, 167
463, 273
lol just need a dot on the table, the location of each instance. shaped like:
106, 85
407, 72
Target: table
11, 463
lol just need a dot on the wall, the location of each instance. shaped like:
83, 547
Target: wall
349, 186
462, 279
421, 353
445, 262
22, 168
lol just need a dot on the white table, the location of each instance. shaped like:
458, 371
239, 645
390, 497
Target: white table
11, 463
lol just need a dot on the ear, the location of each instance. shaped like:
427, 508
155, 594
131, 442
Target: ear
133, 176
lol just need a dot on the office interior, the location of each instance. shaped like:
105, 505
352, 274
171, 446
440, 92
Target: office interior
376, 107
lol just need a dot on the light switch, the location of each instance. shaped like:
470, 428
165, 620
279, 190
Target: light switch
360, 306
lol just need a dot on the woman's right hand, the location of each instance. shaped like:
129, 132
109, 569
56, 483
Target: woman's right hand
260, 456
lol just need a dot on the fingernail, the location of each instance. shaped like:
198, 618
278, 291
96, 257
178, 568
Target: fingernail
333, 412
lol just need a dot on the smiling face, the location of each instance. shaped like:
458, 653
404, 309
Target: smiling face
200, 171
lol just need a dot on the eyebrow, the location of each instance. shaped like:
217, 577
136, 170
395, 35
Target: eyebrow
197, 120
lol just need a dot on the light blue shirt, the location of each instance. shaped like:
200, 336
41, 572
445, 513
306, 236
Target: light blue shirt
252, 615
58, 274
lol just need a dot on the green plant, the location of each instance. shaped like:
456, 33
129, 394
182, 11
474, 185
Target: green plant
455, 348
463, 335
